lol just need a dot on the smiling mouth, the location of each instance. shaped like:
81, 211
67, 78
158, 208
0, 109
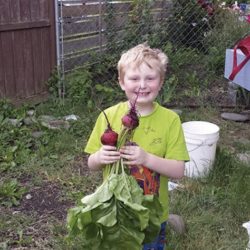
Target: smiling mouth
142, 93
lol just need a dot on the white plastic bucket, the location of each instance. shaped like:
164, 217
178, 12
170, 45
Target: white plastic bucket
201, 138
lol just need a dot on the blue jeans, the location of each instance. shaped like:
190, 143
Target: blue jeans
160, 241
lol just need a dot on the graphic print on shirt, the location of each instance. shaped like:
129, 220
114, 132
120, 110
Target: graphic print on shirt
147, 179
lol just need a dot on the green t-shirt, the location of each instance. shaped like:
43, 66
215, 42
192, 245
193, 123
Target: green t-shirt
159, 133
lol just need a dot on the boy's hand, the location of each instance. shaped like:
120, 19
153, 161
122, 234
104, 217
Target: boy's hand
133, 155
107, 155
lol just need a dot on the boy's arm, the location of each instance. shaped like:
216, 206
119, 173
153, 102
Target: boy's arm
134, 155
93, 161
168, 167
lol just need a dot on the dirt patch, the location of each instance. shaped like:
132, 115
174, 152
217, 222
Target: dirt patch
45, 200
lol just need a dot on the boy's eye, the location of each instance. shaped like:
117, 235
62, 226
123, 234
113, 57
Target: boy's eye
150, 78
133, 79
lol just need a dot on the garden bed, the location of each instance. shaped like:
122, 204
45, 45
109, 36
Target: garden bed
43, 176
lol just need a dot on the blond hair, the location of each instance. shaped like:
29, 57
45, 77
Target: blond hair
142, 53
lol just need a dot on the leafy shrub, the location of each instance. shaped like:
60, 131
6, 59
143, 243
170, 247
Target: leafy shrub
79, 86
187, 24
228, 29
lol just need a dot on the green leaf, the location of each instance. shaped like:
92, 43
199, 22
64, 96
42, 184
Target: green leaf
108, 214
154, 206
117, 215
102, 194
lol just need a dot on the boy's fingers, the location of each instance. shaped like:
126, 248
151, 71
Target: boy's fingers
112, 153
127, 151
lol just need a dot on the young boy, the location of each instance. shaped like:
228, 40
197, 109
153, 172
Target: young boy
160, 150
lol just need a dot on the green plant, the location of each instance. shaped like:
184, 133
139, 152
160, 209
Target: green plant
10, 192
180, 58
6, 109
227, 30
223, 168
111, 28
243, 96
139, 26
79, 86
167, 92
54, 84
188, 24
193, 81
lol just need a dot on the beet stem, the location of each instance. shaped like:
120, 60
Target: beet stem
109, 126
133, 104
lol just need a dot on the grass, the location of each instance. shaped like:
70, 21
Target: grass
52, 170
215, 207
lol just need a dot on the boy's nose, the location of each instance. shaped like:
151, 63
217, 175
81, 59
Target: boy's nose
142, 84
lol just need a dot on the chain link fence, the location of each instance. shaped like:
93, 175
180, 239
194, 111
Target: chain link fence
193, 33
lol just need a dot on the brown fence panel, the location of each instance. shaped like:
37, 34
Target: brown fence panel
93, 9
84, 26
27, 48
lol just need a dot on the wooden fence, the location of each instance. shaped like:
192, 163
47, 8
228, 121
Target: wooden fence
27, 48
83, 25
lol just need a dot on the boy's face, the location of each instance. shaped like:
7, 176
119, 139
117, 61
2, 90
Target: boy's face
142, 80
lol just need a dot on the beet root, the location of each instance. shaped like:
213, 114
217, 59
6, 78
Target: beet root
109, 137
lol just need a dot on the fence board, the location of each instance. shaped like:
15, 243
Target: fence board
74, 2
44, 9
46, 51
27, 47
92, 24
89, 25
82, 44
2, 77
19, 40
82, 26
37, 71
8, 59
5, 11
24, 25
87, 42
25, 10
76, 61
15, 11
28, 67
34, 9
94, 9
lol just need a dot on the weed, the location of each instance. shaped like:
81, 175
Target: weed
167, 91
10, 192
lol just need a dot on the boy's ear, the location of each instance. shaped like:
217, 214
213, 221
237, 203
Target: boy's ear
121, 83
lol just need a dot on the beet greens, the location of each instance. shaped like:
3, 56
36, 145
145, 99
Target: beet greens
117, 215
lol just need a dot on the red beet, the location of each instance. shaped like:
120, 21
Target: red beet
109, 137
131, 120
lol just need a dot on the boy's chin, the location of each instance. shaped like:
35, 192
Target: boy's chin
145, 99
144, 102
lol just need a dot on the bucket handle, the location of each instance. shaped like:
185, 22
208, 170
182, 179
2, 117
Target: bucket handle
202, 143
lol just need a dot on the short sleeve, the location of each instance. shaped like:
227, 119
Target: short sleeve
94, 142
176, 146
